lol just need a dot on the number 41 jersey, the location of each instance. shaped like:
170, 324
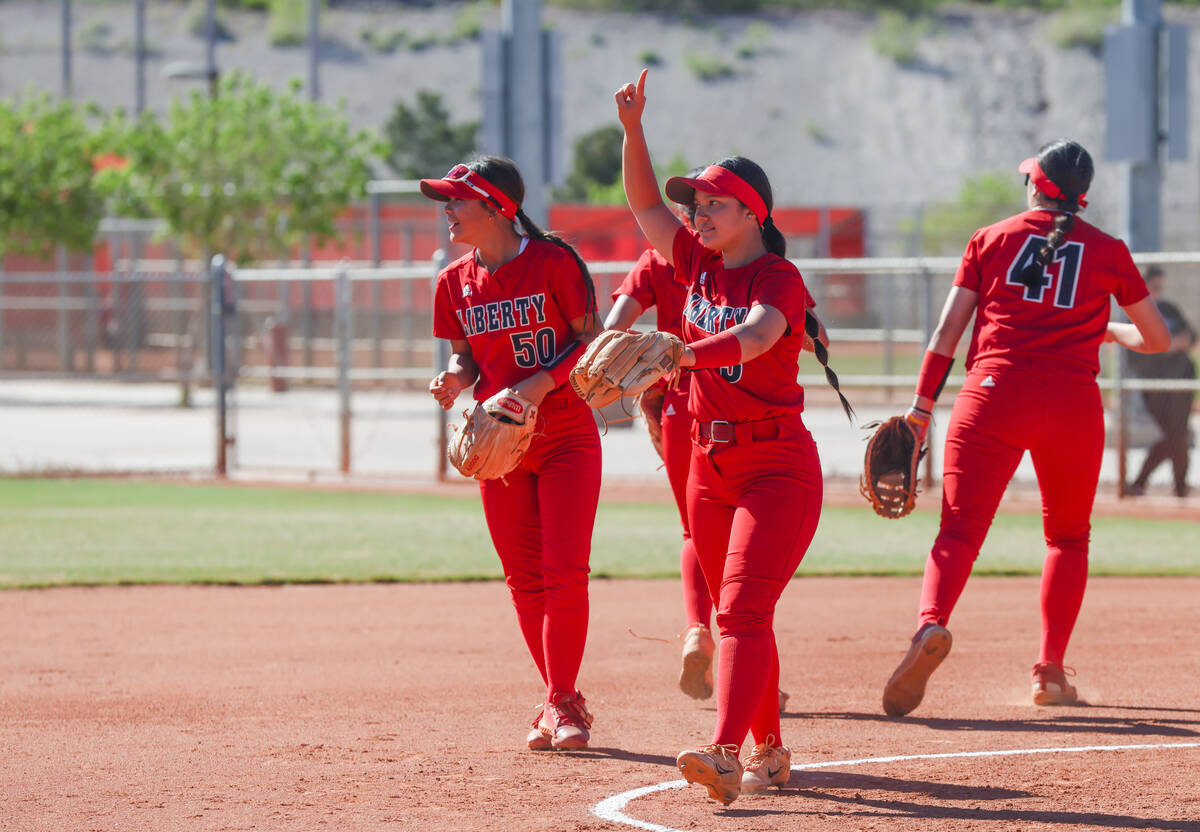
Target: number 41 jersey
517, 318
1065, 314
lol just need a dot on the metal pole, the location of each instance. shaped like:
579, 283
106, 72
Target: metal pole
522, 22
63, 339
375, 231
217, 357
441, 355
210, 46
139, 55
343, 304
928, 323
314, 50
65, 7
1142, 205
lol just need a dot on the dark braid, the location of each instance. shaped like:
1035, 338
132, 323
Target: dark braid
813, 328
772, 237
1069, 166
1063, 223
538, 234
504, 174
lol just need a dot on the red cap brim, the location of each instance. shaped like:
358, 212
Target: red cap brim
1028, 165
444, 191
683, 190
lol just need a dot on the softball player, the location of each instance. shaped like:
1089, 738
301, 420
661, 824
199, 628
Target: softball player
754, 486
517, 311
1038, 284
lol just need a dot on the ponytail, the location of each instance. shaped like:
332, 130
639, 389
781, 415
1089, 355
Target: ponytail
772, 237
532, 230
813, 328
1031, 276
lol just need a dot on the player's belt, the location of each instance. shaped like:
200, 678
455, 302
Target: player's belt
735, 433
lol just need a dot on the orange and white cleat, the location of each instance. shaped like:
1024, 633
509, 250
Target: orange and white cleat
1050, 685
768, 765
695, 678
905, 690
716, 767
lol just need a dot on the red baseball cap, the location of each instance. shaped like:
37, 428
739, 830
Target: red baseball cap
463, 183
720, 181
1031, 168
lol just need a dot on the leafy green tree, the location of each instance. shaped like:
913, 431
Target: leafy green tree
47, 196
422, 141
248, 172
982, 200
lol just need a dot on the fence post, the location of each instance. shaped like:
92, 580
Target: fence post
1, 312
217, 353
91, 321
376, 232
63, 330
441, 352
344, 324
928, 323
1122, 417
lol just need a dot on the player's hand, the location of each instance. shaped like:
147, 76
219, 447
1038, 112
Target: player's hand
445, 387
631, 101
919, 419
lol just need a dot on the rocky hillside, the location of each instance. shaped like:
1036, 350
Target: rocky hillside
832, 119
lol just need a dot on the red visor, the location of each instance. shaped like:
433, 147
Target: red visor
1044, 183
463, 183
720, 181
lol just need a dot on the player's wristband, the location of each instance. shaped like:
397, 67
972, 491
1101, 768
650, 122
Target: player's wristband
560, 368
919, 417
935, 369
720, 350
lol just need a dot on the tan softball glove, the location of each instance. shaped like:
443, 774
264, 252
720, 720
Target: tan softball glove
495, 437
889, 478
624, 364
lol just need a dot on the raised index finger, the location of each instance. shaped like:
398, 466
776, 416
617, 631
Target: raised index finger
641, 84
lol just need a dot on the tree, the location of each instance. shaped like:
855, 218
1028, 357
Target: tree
248, 171
983, 200
47, 196
422, 141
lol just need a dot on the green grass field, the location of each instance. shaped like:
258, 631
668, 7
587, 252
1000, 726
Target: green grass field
78, 531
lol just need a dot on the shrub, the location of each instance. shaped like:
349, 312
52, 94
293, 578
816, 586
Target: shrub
1080, 24
650, 58
288, 23
898, 36
385, 43
707, 67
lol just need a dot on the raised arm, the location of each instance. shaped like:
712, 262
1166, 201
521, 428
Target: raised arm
657, 221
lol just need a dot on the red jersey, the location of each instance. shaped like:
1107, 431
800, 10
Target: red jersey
516, 319
654, 282
719, 298
1063, 318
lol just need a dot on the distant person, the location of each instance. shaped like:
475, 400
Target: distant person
1170, 409
1039, 286
518, 310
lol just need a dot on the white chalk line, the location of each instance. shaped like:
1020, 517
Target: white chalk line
610, 808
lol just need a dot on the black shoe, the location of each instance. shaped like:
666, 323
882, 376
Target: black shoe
1134, 490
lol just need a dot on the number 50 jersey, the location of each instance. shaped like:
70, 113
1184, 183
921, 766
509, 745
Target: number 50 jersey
1064, 315
516, 319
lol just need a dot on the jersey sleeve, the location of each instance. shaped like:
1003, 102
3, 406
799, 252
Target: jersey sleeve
567, 285
968, 275
639, 283
445, 322
782, 287
1131, 286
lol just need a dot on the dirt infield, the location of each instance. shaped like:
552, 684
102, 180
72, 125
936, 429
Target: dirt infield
370, 707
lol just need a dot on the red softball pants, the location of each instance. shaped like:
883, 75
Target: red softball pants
540, 518
1006, 407
753, 507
